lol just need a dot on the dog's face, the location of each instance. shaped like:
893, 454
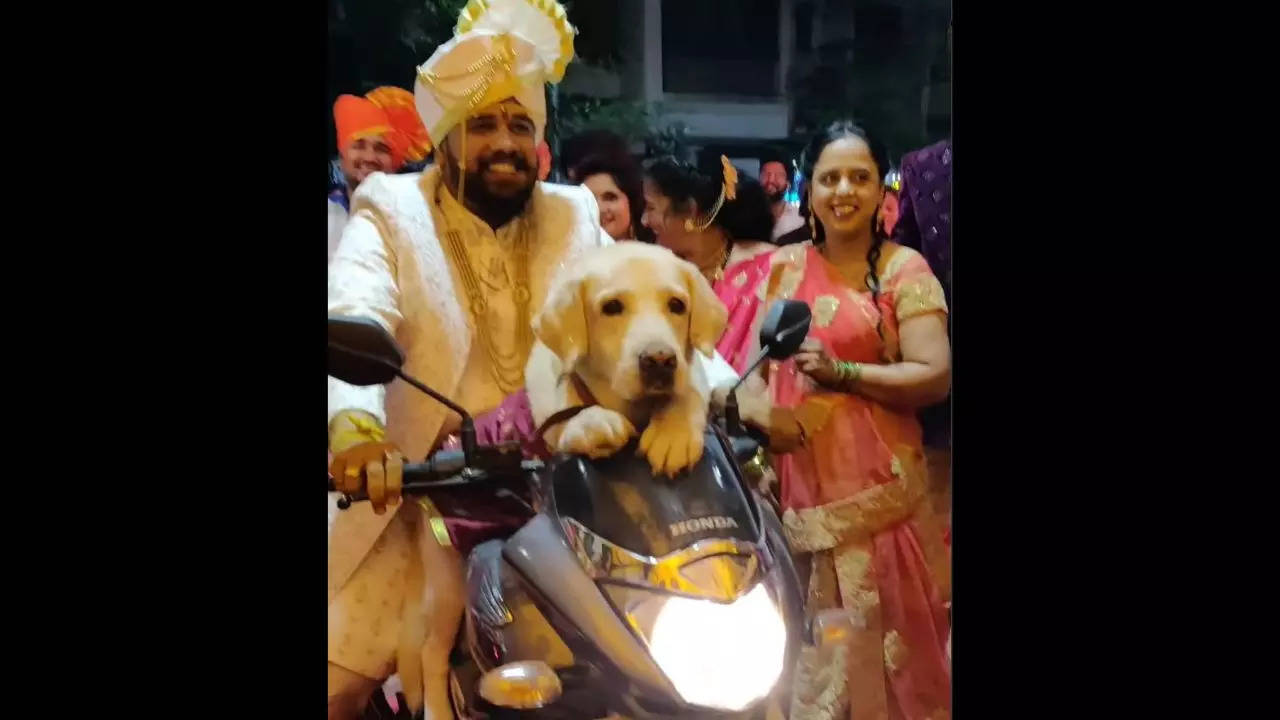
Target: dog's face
631, 315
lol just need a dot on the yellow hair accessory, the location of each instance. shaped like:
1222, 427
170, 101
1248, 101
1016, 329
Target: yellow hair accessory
730, 178
728, 191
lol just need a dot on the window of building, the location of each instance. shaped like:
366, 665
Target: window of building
720, 47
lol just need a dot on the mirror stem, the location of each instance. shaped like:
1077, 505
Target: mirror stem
732, 420
468, 430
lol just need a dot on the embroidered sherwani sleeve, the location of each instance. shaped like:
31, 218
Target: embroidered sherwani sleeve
362, 283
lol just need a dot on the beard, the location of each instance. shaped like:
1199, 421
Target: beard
775, 196
498, 204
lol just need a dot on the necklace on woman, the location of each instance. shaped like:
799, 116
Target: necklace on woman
714, 272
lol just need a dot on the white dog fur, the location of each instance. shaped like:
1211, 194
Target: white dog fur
603, 313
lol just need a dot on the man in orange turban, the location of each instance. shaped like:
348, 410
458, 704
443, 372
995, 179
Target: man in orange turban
376, 133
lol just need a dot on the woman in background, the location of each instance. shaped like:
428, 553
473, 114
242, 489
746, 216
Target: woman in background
615, 181
887, 218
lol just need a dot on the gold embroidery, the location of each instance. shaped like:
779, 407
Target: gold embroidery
474, 9
824, 309
858, 592
821, 684
919, 296
900, 257
788, 264
740, 279
790, 281
895, 651
860, 515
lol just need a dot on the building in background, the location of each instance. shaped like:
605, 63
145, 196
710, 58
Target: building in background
742, 74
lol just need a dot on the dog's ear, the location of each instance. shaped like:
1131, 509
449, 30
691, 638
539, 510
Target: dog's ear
562, 323
707, 315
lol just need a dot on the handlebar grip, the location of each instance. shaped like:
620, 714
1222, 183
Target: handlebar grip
448, 468
440, 464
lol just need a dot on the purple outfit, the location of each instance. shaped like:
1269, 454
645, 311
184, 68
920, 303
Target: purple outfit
472, 515
924, 224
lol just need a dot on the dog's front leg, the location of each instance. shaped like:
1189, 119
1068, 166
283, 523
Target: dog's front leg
673, 439
595, 432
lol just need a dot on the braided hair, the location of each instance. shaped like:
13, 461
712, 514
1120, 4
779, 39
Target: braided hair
746, 217
835, 131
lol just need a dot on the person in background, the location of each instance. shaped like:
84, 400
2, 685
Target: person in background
841, 420
718, 222
615, 181
924, 225
887, 218
544, 160
376, 133
788, 226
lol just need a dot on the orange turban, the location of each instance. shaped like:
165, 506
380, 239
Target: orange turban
389, 113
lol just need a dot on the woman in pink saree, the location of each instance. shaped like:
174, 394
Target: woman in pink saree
853, 475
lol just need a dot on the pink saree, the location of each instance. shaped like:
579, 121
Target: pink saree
737, 290
854, 501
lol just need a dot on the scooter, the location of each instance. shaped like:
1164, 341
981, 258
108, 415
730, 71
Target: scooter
626, 595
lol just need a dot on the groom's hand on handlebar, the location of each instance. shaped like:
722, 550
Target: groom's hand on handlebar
364, 460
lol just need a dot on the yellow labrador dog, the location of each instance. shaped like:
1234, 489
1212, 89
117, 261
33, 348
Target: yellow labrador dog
625, 324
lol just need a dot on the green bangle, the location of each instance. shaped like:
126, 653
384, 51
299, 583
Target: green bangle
848, 372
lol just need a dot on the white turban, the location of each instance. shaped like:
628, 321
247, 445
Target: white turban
500, 49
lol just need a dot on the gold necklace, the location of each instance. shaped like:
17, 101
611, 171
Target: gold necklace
715, 272
507, 368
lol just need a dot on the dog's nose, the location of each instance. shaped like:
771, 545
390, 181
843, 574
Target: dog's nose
657, 364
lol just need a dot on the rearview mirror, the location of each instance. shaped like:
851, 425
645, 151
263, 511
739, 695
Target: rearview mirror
362, 352
784, 328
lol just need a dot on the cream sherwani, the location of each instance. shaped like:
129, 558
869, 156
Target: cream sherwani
390, 266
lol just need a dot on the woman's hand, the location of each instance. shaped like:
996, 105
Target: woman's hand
812, 360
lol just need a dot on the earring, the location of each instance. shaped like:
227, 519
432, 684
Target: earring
813, 227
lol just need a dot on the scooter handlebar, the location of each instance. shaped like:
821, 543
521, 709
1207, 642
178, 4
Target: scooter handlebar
448, 468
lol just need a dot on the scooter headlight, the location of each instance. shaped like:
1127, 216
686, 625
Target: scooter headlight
717, 655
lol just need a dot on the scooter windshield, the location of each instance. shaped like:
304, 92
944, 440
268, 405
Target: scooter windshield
621, 501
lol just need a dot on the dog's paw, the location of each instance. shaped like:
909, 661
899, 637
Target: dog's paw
673, 440
596, 432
